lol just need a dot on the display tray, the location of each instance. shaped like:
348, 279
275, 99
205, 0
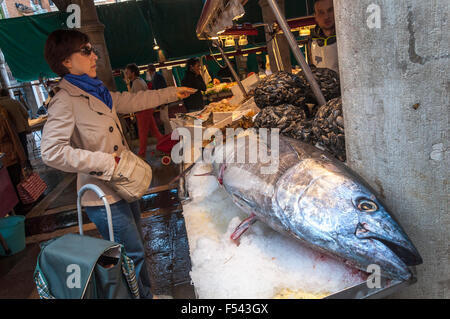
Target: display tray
362, 291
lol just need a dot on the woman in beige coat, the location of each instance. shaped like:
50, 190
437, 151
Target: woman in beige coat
83, 135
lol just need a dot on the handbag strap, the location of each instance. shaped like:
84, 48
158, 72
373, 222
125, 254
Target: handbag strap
26, 172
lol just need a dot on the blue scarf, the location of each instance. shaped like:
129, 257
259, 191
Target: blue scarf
92, 86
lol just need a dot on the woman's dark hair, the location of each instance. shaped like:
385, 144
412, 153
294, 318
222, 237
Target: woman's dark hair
133, 68
192, 62
60, 45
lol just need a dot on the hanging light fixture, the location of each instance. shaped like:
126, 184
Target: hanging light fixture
305, 31
155, 46
229, 42
243, 40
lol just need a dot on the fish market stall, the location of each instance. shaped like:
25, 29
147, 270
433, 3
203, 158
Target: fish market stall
266, 264
219, 91
313, 228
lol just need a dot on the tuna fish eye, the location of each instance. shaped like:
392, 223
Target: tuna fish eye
367, 206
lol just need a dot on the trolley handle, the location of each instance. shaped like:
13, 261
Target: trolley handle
102, 196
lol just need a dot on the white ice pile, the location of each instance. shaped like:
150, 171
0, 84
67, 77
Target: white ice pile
264, 263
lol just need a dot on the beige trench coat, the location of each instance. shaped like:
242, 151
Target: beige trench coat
81, 133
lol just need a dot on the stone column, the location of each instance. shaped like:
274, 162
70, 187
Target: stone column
394, 67
168, 76
92, 27
281, 41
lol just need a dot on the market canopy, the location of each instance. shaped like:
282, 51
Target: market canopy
129, 30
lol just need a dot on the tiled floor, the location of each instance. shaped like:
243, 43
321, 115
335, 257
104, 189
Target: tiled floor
167, 248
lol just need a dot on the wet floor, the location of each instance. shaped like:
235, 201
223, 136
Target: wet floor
167, 253
166, 243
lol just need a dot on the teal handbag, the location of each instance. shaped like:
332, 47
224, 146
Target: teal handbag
80, 267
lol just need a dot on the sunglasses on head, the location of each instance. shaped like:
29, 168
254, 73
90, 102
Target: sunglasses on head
87, 50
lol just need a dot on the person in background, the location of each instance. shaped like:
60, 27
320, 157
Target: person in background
18, 116
157, 82
194, 79
83, 135
225, 75
322, 45
14, 158
135, 84
156, 78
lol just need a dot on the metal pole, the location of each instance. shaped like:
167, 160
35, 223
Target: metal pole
233, 72
297, 53
275, 48
102, 196
276, 51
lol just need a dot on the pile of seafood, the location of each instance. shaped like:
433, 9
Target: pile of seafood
221, 106
328, 81
285, 88
290, 119
326, 128
280, 88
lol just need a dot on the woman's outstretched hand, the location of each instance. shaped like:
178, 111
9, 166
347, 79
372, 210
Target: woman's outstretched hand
184, 92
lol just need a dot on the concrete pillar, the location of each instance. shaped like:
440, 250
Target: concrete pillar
92, 26
394, 67
167, 74
281, 42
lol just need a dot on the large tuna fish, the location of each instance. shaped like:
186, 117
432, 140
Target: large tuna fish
320, 202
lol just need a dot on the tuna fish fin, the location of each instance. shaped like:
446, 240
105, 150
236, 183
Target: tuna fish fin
242, 228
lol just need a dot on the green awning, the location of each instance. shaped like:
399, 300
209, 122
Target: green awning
22, 42
129, 30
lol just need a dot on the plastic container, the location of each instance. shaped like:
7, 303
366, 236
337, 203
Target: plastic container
12, 229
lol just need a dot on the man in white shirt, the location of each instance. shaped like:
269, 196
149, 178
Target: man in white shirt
322, 45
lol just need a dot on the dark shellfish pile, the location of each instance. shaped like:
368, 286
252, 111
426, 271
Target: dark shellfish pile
291, 121
326, 129
280, 88
285, 88
328, 81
